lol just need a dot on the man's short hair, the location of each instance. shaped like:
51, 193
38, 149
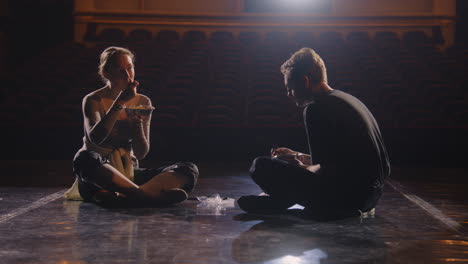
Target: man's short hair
305, 62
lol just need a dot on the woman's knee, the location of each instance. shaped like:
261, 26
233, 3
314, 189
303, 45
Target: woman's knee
86, 163
190, 170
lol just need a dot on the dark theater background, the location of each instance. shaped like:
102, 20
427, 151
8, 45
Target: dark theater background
211, 69
215, 81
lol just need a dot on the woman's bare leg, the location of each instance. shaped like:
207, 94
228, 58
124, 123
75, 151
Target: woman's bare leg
164, 188
109, 178
162, 183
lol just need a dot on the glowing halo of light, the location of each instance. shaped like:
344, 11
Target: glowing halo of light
298, 1
308, 257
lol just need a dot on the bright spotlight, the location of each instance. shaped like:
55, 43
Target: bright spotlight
299, 6
286, 260
308, 257
302, 5
298, 1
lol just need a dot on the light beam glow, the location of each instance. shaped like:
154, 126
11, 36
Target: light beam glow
308, 257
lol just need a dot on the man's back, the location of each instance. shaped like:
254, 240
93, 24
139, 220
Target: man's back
345, 140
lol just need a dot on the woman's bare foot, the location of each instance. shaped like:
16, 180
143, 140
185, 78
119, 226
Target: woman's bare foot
172, 196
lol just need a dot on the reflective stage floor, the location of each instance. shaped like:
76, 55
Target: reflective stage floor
420, 219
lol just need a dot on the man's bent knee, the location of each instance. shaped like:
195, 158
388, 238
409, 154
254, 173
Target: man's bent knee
260, 167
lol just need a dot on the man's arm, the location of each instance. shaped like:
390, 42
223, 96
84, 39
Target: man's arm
316, 123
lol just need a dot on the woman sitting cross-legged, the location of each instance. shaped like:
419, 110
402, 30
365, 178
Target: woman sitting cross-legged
116, 135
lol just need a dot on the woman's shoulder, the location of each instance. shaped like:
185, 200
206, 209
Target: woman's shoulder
96, 95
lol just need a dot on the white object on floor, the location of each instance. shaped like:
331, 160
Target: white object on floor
214, 204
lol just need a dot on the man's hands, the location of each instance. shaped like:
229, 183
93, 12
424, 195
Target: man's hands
292, 159
282, 151
295, 158
287, 155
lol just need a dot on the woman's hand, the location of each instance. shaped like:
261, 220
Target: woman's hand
129, 93
139, 115
136, 118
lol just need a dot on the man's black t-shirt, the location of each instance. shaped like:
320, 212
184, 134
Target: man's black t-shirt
345, 140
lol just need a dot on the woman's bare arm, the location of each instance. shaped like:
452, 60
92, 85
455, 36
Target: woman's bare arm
141, 131
98, 128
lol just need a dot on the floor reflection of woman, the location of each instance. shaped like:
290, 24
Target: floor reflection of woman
115, 138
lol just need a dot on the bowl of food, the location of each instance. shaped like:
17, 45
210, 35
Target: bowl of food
139, 110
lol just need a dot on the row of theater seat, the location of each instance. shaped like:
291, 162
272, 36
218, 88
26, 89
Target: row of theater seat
222, 80
142, 35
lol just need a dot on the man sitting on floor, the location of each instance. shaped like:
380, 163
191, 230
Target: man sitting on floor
345, 171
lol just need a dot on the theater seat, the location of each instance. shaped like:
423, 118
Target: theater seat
249, 37
194, 36
221, 37
217, 115
111, 35
304, 39
167, 36
139, 35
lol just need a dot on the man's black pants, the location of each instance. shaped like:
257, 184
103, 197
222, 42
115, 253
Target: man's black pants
319, 193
